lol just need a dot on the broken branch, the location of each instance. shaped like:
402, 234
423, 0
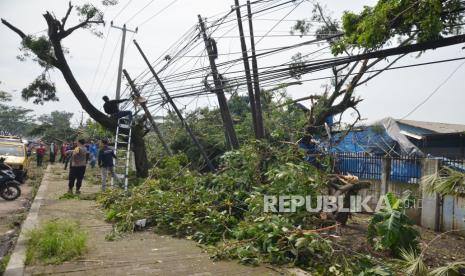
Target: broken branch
14, 29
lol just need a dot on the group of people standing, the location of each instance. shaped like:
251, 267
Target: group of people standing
90, 153
41, 150
80, 153
77, 155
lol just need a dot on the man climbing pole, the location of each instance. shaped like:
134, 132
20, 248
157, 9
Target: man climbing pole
111, 108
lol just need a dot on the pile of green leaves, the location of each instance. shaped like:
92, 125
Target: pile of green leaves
391, 229
224, 211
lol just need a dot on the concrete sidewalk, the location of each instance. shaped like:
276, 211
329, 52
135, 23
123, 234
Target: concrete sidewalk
143, 253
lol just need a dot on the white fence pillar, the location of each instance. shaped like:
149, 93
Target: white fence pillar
431, 203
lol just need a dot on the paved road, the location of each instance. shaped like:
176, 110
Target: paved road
142, 253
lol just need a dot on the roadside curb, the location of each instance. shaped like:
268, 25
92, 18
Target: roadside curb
18, 257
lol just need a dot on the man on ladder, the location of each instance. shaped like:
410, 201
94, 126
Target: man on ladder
112, 108
122, 138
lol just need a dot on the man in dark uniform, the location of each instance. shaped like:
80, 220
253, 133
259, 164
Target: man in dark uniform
112, 108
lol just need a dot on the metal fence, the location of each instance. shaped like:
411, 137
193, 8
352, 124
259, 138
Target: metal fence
361, 165
457, 164
405, 169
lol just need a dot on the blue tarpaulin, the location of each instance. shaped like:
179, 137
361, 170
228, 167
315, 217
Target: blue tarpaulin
359, 152
369, 140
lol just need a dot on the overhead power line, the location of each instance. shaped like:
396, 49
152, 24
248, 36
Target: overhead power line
139, 11
159, 12
122, 9
434, 91
271, 81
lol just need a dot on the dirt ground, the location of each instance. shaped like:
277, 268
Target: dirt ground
448, 248
12, 213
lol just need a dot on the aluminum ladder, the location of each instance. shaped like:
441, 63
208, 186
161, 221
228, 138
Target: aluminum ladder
122, 151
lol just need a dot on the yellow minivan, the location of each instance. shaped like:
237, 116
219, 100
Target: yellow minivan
15, 154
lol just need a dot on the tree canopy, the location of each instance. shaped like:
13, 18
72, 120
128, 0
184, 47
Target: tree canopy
389, 23
55, 126
424, 20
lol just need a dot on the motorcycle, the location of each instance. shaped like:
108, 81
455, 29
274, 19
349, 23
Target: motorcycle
9, 187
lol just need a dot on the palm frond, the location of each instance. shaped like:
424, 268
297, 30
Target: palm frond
451, 269
413, 263
446, 182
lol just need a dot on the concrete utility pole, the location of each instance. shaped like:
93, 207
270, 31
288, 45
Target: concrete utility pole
81, 123
245, 59
224, 109
121, 56
148, 114
181, 118
256, 81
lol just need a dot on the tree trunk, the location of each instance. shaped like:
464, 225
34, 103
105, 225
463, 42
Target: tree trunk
138, 147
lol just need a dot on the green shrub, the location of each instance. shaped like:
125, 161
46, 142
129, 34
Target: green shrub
391, 229
55, 242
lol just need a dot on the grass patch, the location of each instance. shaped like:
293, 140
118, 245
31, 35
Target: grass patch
55, 242
4, 262
69, 196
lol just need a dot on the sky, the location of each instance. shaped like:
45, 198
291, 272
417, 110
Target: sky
392, 94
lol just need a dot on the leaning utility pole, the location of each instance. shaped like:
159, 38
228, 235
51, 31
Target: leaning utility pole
224, 109
170, 100
136, 93
121, 56
256, 81
245, 59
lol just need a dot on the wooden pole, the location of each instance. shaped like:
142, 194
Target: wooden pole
224, 109
245, 59
256, 81
170, 100
148, 114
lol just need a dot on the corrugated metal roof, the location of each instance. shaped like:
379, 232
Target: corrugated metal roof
432, 127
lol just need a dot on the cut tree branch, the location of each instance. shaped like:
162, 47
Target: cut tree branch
14, 29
